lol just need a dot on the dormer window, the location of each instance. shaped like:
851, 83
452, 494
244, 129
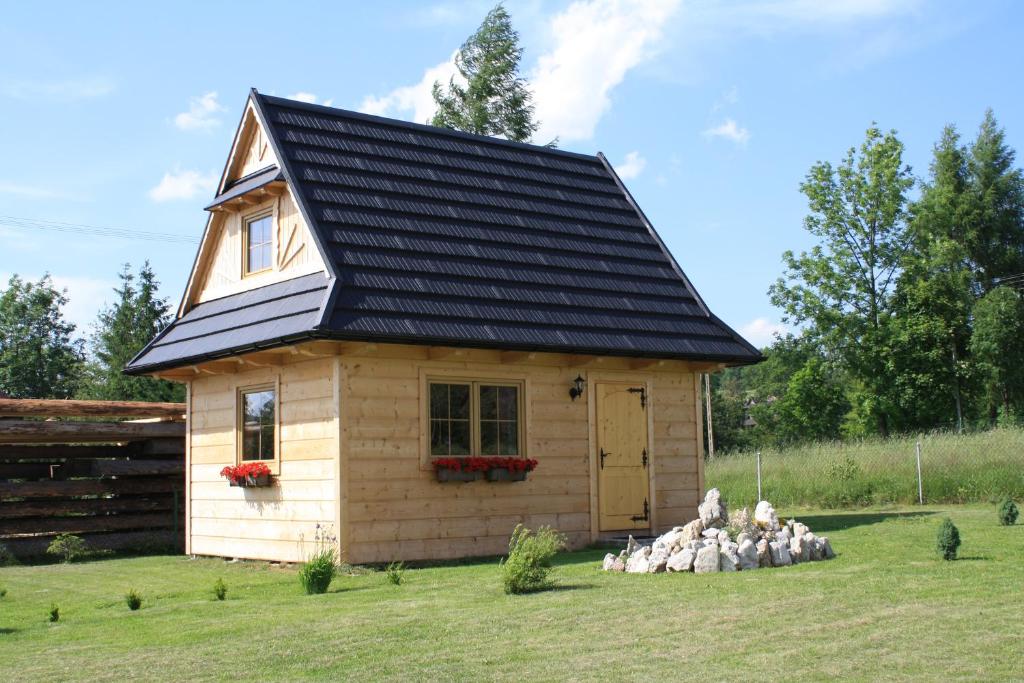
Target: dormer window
257, 243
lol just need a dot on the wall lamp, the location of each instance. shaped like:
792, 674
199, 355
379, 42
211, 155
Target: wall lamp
577, 388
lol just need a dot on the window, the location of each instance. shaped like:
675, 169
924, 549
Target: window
257, 243
259, 424
475, 418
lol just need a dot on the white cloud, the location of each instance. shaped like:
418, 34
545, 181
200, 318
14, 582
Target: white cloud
86, 296
309, 98
180, 184
202, 113
34, 192
595, 44
761, 332
66, 90
729, 130
632, 166
416, 99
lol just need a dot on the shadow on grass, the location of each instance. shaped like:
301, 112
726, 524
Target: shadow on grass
7, 631
820, 524
973, 558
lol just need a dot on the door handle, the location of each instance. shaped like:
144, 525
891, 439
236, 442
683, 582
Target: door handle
603, 456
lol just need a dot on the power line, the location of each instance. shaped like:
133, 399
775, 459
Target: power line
96, 230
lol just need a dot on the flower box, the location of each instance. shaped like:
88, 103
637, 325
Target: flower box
257, 480
448, 475
505, 474
248, 474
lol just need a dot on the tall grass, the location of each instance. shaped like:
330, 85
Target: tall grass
955, 468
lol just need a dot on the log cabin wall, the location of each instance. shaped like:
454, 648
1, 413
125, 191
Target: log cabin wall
278, 522
394, 507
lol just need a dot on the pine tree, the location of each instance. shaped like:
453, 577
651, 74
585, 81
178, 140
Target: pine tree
122, 330
493, 100
38, 356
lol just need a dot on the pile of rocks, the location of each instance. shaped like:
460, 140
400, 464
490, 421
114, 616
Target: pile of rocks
714, 542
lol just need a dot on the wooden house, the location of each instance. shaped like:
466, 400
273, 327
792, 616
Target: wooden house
372, 295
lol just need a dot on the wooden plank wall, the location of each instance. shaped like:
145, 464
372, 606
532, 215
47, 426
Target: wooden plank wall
125, 495
395, 508
278, 522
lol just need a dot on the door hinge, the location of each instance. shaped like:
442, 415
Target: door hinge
643, 395
644, 517
644, 460
603, 456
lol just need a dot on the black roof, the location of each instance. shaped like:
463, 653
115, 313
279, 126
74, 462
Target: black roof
433, 236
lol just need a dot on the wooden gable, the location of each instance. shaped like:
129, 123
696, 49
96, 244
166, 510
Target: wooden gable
219, 268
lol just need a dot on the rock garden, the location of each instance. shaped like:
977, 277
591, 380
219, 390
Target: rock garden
718, 541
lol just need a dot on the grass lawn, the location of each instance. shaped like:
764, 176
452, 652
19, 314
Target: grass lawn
886, 608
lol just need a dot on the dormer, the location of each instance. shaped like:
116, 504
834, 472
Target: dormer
255, 234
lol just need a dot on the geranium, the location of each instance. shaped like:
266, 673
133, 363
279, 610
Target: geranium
484, 464
238, 473
448, 464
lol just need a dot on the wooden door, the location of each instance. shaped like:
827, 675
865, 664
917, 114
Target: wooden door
623, 485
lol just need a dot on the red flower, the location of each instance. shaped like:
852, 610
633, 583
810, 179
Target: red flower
246, 469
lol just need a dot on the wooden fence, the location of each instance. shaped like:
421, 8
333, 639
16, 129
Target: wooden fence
75, 467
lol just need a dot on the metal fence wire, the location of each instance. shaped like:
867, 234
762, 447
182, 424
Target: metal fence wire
934, 468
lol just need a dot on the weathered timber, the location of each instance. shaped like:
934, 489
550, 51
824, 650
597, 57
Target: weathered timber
35, 431
129, 468
86, 524
64, 452
31, 407
86, 487
35, 546
56, 508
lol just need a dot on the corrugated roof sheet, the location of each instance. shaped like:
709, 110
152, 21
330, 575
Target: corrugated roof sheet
440, 237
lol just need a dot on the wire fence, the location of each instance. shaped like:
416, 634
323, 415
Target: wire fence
933, 468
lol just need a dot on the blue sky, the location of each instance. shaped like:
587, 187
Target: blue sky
121, 115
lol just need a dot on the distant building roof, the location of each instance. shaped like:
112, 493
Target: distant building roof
438, 237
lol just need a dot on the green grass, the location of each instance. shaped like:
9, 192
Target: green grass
969, 468
887, 608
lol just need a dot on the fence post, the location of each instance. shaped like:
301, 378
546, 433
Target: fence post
759, 498
920, 486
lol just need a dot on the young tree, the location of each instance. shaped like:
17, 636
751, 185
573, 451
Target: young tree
813, 407
492, 99
38, 356
998, 347
122, 330
842, 289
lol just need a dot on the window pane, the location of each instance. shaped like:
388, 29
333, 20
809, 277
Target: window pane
508, 438
438, 402
439, 437
258, 425
459, 437
488, 403
508, 403
258, 234
459, 401
489, 438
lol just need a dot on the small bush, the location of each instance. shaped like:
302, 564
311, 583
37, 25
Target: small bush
54, 613
7, 558
318, 572
948, 539
68, 547
395, 572
3, 592
1008, 513
133, 599
220, 589
528, 564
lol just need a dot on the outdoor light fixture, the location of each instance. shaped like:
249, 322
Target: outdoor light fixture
577, 388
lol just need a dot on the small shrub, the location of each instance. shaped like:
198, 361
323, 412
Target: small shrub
1008, 513
948, 539
395, 572
7, 558
318, 572
528, 564
68, 547
134, 599
54, 613
741, 522
3, 592
220, 589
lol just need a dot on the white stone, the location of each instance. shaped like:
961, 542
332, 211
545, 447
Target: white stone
712, 511
799, 529
764, 554
631, 546
723, 537
729, 559
814, 548
797, 550
707, 560
609, 561
827, 548
764, 514
780, 554
657, 561
744, 537
619, 565
638, 563
747, 553
710, 532
784, 535
681, 561
692, 530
